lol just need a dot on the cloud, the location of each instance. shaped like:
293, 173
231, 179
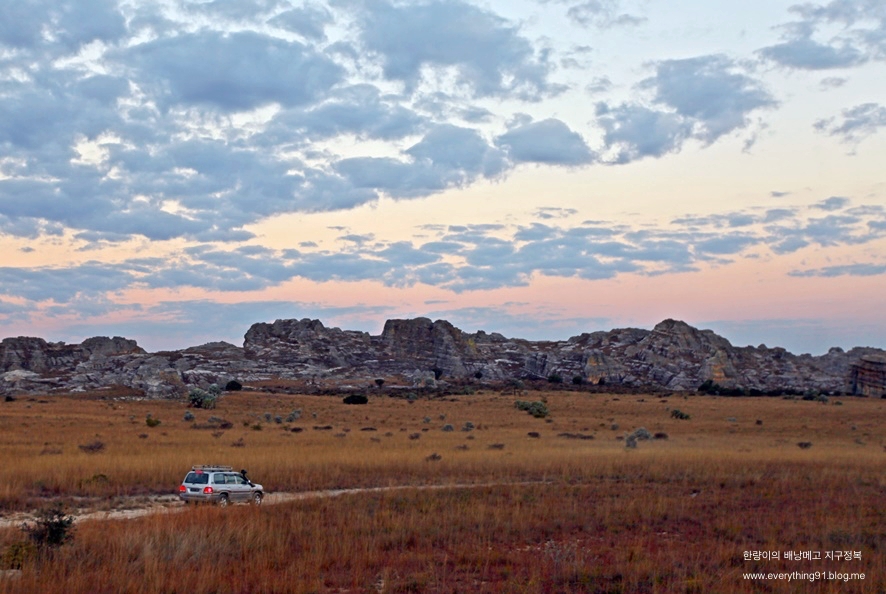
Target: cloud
62, 284
476, 257
806, 54
360, 110
69, 24
549, 142
833, 203
704, 98
632, 132
488, 53
448, 156
712, 92
602, 13
857, 123
860, 36
308, 21
843, 270
232, 72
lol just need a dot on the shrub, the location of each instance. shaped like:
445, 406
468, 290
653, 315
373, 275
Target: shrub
355, 399
638, 434
537, 409
379, 382
678, 414
152, 422
200, 398
293, 416
92, 448
233, 386
52, 528
555, 378
448, 428
469, 426
641, 434
189, 416
578, 380
516, 385
214, 390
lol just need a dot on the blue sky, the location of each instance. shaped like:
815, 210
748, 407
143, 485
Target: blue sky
175, 171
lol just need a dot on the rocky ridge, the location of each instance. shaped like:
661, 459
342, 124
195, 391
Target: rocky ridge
421, 352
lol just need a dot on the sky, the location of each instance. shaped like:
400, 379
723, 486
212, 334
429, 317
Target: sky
176, 171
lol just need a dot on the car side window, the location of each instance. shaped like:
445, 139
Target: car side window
240, 480
218, 479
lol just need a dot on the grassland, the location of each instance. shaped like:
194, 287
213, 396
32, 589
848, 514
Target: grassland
554, 513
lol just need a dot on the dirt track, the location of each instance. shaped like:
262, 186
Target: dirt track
169, 504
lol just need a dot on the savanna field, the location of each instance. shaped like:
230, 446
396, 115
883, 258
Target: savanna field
560, 503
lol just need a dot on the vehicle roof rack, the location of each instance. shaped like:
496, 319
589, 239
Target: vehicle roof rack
212, 467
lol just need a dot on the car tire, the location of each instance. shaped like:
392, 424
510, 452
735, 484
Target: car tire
257, 498
223, 501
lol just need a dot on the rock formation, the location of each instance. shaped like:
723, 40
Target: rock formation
868, 376
672, 356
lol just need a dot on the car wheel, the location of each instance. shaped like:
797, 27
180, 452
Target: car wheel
223, 501
257, 498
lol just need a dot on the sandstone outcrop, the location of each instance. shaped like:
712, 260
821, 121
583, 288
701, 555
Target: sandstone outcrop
671, 356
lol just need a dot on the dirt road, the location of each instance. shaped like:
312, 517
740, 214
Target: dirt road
136, 507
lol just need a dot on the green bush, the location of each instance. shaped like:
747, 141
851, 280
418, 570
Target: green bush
678, 414
52, 528
537, 409
152, 422
200, 398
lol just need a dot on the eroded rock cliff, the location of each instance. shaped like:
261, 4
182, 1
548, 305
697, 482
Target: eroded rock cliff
672, 356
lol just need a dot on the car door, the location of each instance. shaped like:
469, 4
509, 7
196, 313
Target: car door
240, 487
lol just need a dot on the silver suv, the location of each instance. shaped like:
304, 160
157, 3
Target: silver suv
219, 484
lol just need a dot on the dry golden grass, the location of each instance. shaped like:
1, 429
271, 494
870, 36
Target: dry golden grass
672, 515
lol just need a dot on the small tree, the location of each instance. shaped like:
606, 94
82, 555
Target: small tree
200, 398
52, 529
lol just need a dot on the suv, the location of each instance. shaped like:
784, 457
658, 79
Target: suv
219, 484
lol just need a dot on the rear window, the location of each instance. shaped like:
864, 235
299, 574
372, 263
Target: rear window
197, 478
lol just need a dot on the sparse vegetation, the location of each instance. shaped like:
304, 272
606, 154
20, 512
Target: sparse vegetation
537, 409
51, 529
679, 414
200, 398
93, 447
670, 516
